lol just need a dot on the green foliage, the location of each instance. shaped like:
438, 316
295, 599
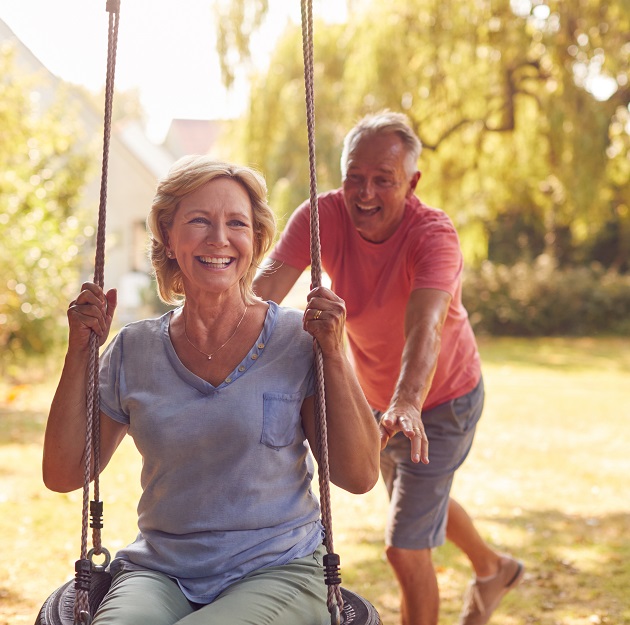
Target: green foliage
275, 137
521, 143
41, 177
237, 20
541, 299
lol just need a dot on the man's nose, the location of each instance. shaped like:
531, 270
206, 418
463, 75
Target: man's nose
367, 189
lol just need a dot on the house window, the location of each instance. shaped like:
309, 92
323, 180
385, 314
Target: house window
139, 248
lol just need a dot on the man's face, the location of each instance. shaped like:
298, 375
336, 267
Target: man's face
376, 186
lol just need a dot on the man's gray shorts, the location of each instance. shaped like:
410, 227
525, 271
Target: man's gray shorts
419, 492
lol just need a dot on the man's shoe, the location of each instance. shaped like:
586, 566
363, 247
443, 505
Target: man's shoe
482, 598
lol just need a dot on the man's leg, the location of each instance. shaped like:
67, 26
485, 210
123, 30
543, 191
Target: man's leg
416, 523
420, 599
419, 500
461, 531
495, 574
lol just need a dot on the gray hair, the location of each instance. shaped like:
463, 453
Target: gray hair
383, 122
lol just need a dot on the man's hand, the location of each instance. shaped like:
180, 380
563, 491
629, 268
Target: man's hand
409, 422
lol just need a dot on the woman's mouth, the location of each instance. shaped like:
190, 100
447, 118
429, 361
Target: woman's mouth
216, 263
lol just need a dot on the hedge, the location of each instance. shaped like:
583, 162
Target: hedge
540, 299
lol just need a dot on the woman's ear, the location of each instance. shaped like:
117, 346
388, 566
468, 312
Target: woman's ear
166, 242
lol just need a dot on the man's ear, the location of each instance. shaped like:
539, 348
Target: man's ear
413, 183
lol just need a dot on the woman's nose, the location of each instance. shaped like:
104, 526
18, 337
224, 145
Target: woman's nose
216, 236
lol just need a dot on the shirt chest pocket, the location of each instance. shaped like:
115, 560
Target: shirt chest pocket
281, 418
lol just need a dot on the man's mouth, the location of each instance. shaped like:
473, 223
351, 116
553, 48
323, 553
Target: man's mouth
216, 263
368, 210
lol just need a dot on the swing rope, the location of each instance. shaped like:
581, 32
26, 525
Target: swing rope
331, 560
83, 567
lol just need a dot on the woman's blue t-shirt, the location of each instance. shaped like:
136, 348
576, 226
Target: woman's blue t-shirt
226, 475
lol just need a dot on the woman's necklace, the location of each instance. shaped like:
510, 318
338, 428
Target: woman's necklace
209, 356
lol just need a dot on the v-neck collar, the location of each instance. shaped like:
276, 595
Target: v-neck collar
250, 359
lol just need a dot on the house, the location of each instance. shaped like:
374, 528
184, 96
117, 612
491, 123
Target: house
134, 167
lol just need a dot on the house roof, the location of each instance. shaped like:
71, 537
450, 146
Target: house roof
192, 136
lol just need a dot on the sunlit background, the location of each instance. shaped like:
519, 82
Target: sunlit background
522, 107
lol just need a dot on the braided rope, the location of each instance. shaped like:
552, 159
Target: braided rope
92, 436
335, 600
92, 400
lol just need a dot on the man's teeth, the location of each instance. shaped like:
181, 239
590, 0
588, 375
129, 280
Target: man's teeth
367, 209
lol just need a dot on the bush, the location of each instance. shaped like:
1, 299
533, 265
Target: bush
539, 299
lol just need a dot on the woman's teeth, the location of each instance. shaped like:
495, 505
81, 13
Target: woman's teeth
215, 262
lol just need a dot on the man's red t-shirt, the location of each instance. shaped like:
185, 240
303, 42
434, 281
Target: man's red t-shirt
376, 279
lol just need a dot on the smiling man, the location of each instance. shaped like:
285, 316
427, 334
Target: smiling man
397, 263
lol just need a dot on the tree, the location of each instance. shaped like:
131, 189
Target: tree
237, 21
41, 175
508, 99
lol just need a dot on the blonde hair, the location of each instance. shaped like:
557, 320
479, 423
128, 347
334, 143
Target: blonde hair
384, 122
188, 174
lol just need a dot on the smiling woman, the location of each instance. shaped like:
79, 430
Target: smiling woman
185, 209
218, 396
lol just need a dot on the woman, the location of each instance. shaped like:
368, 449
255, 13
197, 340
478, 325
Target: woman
218, 396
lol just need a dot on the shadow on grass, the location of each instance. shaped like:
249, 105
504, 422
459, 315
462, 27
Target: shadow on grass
576, 571
577, 566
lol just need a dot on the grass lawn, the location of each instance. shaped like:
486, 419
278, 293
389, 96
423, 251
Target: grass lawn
546, 480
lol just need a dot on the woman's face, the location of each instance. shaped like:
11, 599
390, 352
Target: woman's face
212, 237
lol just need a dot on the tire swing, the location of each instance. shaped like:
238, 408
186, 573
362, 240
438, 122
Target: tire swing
76, 601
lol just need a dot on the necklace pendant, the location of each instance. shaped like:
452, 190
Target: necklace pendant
210, 357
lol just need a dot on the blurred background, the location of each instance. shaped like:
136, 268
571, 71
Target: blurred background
523, 110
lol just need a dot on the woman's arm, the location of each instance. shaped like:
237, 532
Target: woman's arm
353, 435
64, 440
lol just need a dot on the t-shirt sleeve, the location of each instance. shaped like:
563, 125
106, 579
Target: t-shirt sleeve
310, 381
110, 381
437, 258
293, 247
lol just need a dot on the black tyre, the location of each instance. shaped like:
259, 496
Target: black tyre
357, 611
58, 609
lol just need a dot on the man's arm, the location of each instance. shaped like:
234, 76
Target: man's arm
424, 320
275, 280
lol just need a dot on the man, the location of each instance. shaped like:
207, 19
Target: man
397, 264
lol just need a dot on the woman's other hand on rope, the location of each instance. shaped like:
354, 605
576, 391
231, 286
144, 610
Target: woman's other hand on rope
64, 441
92, 311
353, 437
325, 319
408, 421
